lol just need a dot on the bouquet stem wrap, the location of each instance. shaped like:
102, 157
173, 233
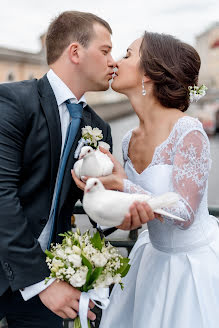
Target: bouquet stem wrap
100, 294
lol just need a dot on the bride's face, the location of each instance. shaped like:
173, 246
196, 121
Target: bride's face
128, 76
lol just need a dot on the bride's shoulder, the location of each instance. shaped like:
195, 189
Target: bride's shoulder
189, 128
187, 124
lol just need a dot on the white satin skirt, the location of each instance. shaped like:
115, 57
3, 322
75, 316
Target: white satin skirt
167, 290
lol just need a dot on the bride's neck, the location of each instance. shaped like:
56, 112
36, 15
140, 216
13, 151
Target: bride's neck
148, 110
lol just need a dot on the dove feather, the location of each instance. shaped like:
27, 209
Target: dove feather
102, 206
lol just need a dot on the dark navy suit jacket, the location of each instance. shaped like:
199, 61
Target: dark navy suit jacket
30, 145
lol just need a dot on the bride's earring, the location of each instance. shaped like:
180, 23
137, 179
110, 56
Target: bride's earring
143, 89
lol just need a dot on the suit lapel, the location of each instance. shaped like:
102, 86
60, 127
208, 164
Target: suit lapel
67, 179
50, 109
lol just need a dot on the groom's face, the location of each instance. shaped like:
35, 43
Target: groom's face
97, 64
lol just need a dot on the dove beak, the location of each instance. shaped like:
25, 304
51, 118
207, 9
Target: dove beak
87, 190
81, 156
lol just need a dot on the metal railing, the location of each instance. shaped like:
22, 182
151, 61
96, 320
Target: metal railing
133, 234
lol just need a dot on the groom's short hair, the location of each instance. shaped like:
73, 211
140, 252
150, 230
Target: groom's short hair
68, 27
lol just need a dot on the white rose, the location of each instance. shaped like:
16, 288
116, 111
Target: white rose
68, 240
68, 250
117, 279
109, 279
97, 133
86, 129
99, 260
57, 263
70, 271
76, 250
75, 260
79, 278
60, 253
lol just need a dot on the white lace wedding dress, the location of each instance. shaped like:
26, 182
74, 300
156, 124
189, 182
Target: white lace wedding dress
173, 281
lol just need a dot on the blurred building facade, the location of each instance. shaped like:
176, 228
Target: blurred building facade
207, 45
18, 65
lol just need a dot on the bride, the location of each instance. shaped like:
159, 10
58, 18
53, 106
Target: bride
173, 281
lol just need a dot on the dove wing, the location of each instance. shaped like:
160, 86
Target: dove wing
77, 168
105, 163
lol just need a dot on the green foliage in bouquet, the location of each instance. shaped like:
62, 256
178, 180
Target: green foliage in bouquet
86, 261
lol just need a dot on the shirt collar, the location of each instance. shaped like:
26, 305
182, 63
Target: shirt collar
61, 91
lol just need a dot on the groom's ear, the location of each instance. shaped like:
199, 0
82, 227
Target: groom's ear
73, 52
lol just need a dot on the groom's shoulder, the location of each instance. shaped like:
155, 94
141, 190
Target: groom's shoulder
25, 88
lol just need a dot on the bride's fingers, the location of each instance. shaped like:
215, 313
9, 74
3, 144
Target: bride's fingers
148, 210
135, 217
142, 213
105, 151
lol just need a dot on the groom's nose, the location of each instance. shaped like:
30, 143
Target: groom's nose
111, 62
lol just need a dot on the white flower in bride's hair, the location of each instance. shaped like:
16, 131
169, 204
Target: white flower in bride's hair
196, 93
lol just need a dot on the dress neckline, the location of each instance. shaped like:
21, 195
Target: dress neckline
156, 148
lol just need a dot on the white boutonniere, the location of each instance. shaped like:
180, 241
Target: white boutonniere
90, 137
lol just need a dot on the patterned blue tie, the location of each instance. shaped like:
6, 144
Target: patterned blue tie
75, 111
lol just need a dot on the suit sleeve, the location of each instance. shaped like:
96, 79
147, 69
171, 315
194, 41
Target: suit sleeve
21, 256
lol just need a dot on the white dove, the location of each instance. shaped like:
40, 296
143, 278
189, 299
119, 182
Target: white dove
108, 207
92, 163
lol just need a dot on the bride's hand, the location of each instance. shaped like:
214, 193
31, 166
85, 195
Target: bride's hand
113, 181
139, 213
80, 184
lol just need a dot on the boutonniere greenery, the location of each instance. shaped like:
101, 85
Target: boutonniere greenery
90, 137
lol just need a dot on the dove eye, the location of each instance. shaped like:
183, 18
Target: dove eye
95, 183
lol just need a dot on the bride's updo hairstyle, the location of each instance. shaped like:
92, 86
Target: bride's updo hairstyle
172, 65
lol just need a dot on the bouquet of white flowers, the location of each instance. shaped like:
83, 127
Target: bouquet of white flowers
89, 264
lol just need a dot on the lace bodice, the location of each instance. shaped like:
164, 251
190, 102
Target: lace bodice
185, 154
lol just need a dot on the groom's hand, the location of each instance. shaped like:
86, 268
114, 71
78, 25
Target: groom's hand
63, 300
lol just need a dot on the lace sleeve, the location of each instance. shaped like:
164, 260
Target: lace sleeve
191, 165
190, 174
132, 188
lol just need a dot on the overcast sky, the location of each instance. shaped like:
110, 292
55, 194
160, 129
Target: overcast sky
23, 21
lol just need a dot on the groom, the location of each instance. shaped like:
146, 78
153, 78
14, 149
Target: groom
35, 203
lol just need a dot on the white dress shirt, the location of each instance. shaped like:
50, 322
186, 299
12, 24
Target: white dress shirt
62, 93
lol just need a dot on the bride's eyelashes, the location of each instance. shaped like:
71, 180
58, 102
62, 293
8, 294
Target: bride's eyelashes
127, 55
